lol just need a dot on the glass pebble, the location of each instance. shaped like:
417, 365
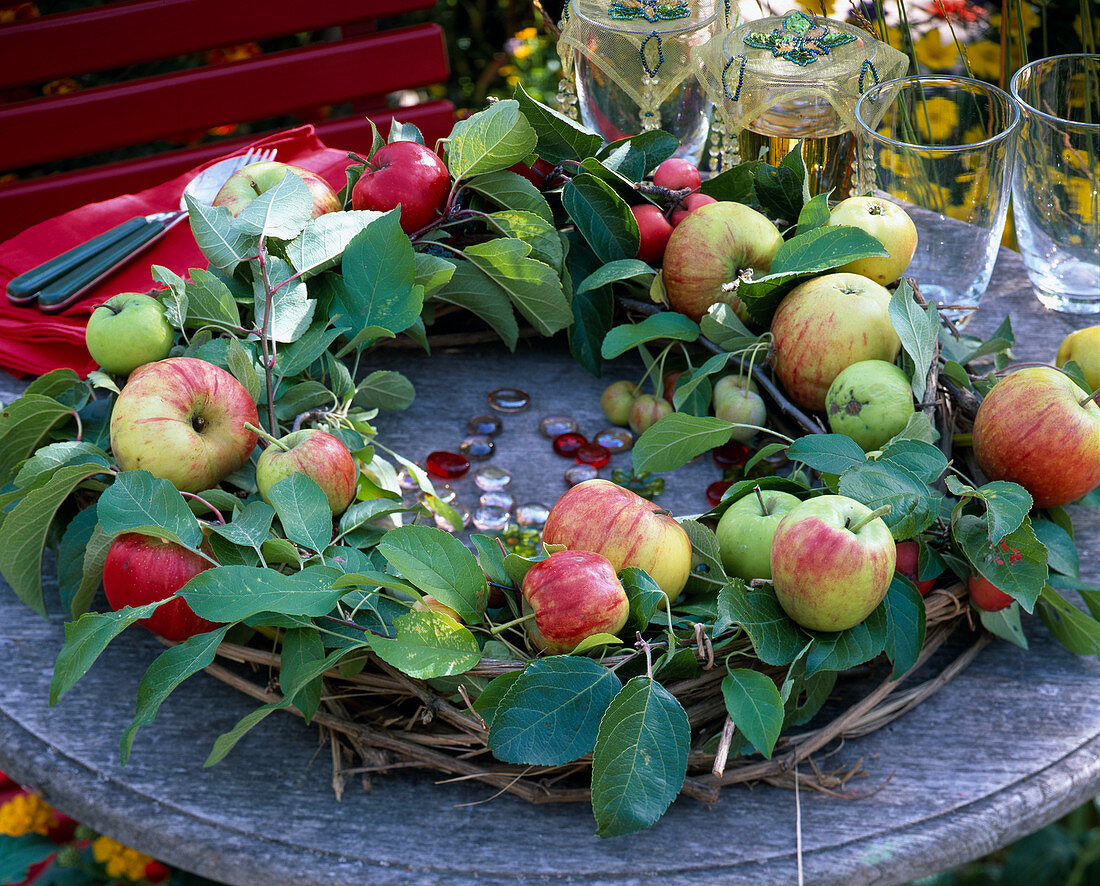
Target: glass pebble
446, 465
490, 478
445, 493
463, 514
487, 425
716, 489
592, 454
490, 518
580, 473
478, 447
406, 480
509, 400
731, 455
532, 514
553, 426
567, 445
497, 499
615, 439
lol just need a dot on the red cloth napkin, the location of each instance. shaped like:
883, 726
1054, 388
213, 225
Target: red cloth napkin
33, 343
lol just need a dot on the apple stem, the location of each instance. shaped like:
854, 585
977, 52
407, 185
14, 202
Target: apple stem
218, 514
764, 512
255, 187
876, 513
265, 340
511, 624
644, 646
264, 435
1091, 396
79, 426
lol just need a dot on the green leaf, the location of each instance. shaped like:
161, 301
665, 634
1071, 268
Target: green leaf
174, 297
302, 650
640, 759
224, 243
643, 593
23, 425
432, 272
48, 459
323, 241
1007, 505
242, 365
80, 559
291, 308
1017, 565
300, 398
439, 564
559, 138
828, 453
783, 189
404, 132
1074, 629
233, 593
139, 502
490, 558
280, 212
905, 625
667, 324
914, 506
210, 303
706, 558
533, 286
822, 249
25, 529
490, 140
379, 271
295, 357
614, 272
427, 645
1005, 623
845, 649
753, 703
676, 439
776, 639
735, 185
602, 217
923, 460
303, 510
19, 854
167, 671
814, 214
551, 714
1061, 551
85, 639
918, 330
1002, 339
510, 190
384, 389
477, 292
541, 235
636, 155
723, 327
487, 703
593, 311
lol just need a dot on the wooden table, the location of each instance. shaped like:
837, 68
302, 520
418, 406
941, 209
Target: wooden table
1009, 745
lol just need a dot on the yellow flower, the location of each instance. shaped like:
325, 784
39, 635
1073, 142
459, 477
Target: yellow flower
26, 814
527, 34
1084, 199
893, 162
1026, 13
522, 51
121, 861
937, 119
933, 53
984, 57
894, 37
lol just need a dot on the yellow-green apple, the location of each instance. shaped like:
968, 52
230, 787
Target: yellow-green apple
646, 411
574, 595
653, 233
869, 401
825, 325
1083, 348
247, 183
746, 529
140, 569
428, 603
734, 382
886, 222
712, 247
616, 399
908, 559
599, 516
408, 175
832, 562
128, 330
317, 454
676, 173
1036, 427
688, 205
734, 401
183, 419
985, 595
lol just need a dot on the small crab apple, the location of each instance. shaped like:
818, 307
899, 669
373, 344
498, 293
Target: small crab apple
675, 173
646, 411
653, 232
616, 400
908, 554
985, 595
688, 205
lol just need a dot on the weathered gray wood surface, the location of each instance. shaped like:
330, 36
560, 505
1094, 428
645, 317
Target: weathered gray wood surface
1008, 746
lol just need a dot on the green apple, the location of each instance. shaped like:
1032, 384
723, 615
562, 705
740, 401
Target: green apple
127, 331
1083, 348
317, 454
616, 399
736, 403
886, 222
746, 529
249, 182
870, 402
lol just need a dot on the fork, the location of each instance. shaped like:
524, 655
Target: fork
57, 283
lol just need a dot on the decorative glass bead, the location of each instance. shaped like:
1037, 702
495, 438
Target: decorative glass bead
532, 514
447, 465
406, 480
490, 478
579, 473
615, 439
567, 445
509, 400
592, 454
487, 425
490, 518
731, 455
478, 447
463, 514
497, 499
555, 425
444, 493
716, 489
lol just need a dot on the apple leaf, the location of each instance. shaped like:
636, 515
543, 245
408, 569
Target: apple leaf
618, 182
640, 758
1017, 564
224, 243
923, 460
761, 296
209, 302
905, 624
667, 324
532, 229
723, 327
302, 649
488, 701
509, 190
918, 330
828, 453
477, 292
384, 389
1005, 623
551, 714
431, 271
438, 564
805, 695
281, 211
404, 132
303, 511
379, 277
735, 185
532, 286
644, 595
490, 556
139, 502
707, 572
490, 140
593, 310
233, 593
914, 506
845, 649
428, 645
297, 356
322, 242
250, 527
753, 703
613, 272
602, 217
167, 671
291, 308
78, 590
1074, 629
814, 214
634, 156
783, 189
776, 639
689, 382
1061, 551
24, 423
823, 249
38, 468
559, 137
676, 439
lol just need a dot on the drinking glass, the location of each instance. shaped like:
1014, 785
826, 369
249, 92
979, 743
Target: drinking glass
1056, 187
943, 150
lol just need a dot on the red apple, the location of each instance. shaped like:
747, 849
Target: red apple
886, 222
985, 595
408, 175
315, 453
646, 411
247, 183
182, 419
140, 569
1037, 428
688, 205
832, 562
653, 232
616, 400
675, 173
908, 554
711, 247
574, 595
825, 325
599, 516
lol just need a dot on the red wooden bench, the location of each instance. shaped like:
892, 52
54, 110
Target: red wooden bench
360, 65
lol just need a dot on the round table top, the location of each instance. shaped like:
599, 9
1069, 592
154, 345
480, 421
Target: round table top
1012, 743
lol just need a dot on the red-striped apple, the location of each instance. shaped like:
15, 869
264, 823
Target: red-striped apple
317, 454
246, 184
